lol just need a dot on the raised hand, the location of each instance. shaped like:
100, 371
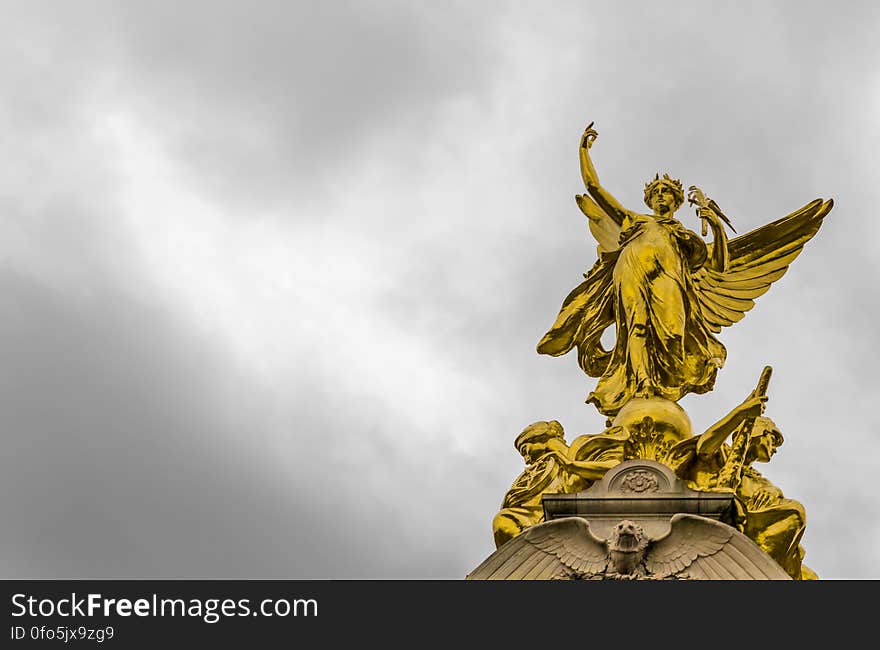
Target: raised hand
589, 136
707, 215
753, 406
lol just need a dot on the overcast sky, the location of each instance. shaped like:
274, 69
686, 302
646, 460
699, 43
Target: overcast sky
273, 273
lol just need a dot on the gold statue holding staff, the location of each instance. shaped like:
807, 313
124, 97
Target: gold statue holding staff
666, 291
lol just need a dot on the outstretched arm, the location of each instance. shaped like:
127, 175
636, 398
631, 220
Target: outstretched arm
711, 440
590, 470
591, 179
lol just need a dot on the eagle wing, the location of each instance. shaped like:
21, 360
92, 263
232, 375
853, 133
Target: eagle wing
603, 226
756, 260
552, 550
704, 549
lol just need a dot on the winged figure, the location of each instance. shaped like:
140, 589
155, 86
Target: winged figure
665, 290
695, 548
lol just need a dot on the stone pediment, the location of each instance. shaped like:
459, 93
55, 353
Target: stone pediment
644, 491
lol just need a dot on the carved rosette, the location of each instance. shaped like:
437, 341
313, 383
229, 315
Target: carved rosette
639, 481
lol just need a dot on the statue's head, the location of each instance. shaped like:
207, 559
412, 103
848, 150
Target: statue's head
538, 438
664, 195
766, 439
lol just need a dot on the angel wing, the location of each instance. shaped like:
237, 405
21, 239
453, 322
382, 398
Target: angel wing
603, 226
756, 260
552, 550
704, 549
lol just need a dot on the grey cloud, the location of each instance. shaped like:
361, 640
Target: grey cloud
132, 449
263, 102
275, 99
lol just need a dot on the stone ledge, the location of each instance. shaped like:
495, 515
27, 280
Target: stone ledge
642, 490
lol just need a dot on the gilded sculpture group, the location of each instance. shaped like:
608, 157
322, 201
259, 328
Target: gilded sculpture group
666, 292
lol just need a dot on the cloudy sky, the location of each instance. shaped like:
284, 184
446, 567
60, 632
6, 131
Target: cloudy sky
273, 273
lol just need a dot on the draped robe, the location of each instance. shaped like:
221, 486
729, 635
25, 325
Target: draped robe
664, 346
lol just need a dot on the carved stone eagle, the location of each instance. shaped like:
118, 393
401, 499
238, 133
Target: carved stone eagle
695, 548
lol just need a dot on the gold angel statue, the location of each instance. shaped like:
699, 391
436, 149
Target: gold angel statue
666, 291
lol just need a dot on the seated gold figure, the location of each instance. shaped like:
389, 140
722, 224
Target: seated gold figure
773, 522
544, 450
